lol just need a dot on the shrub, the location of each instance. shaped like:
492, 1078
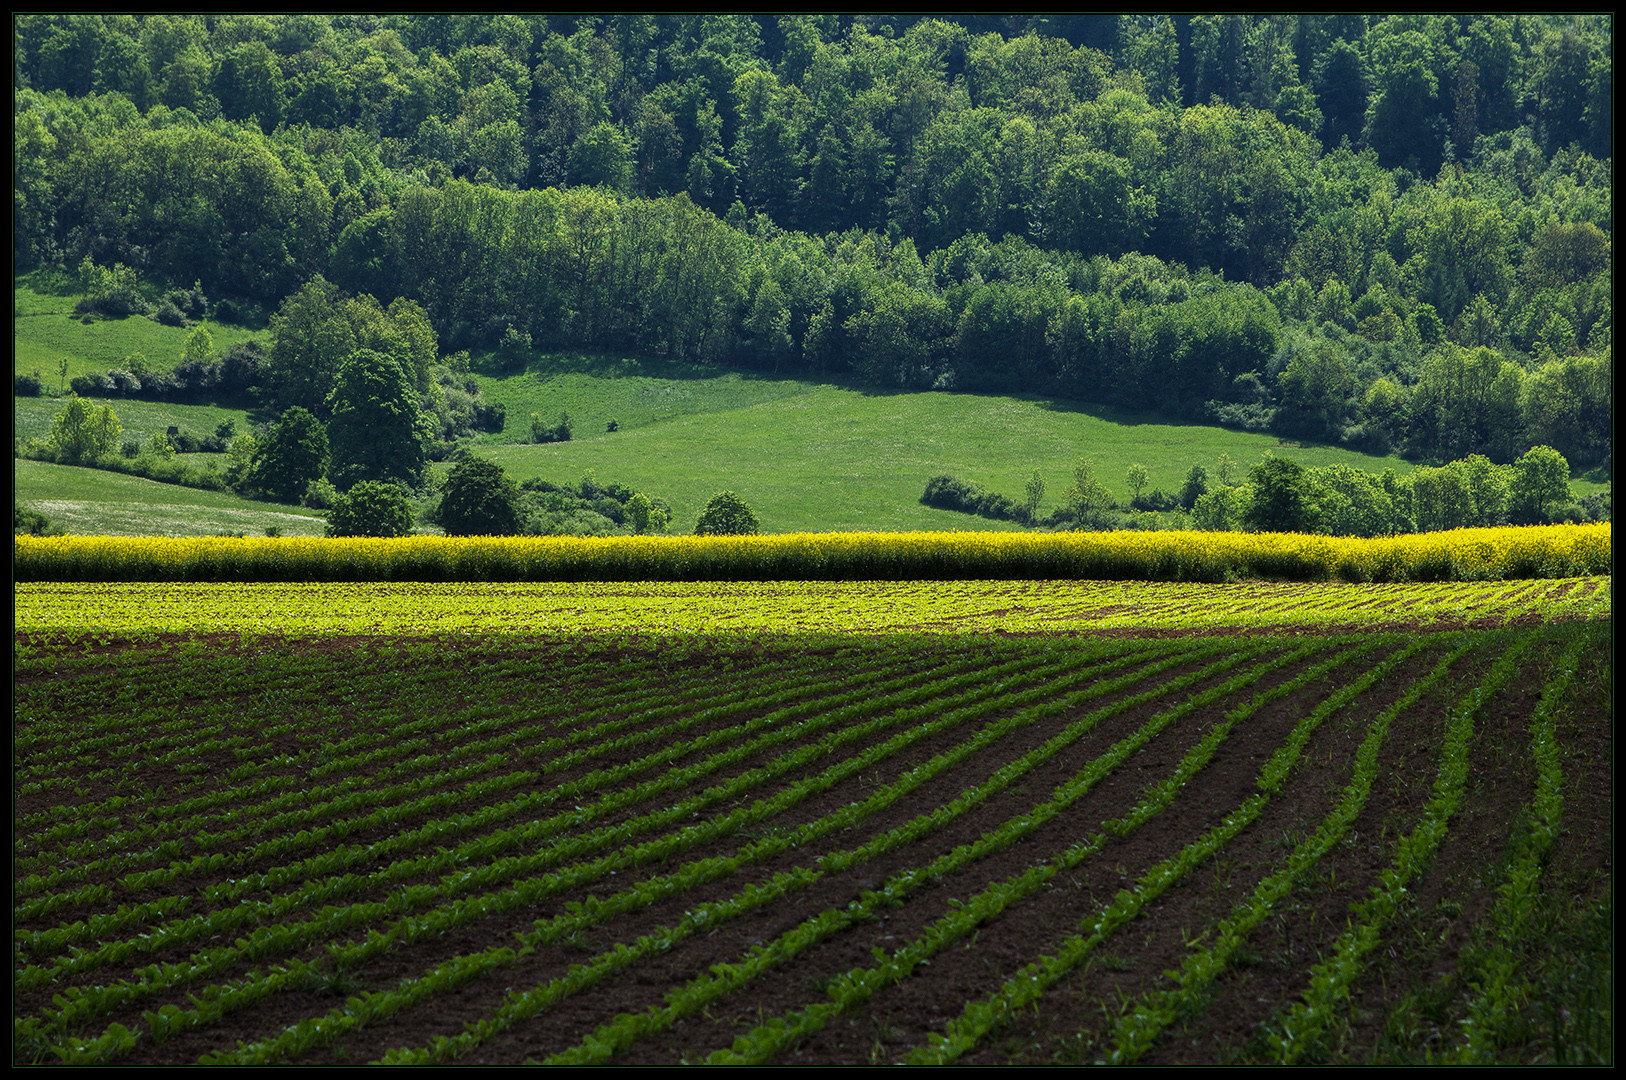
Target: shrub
542, 433
726, 515
371, 508
26, 385
31, 522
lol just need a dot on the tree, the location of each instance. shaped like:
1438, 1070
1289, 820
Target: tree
1281, 500
83, 432
726, 515
371, 508
1195, 486
1541, 483
1034, 496
374, 433
294, 454
1088, 498
1137, 479
645, 515
480, 499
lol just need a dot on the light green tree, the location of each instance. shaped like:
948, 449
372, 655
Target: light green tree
1137, 479
83, 432
200, 346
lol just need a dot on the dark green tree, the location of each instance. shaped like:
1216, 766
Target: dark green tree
294, 454
1281, 499
374, 433
726, 515
479, 499
371, 508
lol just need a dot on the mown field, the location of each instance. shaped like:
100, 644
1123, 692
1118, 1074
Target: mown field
97, 502
1026, 823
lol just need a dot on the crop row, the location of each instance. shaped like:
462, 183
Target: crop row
93, 613
755, 815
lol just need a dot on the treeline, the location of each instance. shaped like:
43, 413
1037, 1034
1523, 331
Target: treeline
1280, 495
1393, 232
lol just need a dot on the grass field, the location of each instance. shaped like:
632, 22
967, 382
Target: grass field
246, 832
806, 455
100, 503
826, 457
32, 417
43, 332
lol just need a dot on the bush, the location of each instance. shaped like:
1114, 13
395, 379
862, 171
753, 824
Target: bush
371, 508
948, 493
26, 385
1157, 500
82, 432
542, 433
31, 522
726, 515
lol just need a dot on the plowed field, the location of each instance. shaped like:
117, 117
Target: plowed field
802, 847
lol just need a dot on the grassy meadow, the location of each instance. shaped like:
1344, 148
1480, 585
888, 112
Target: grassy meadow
811, 456
97, 502
806, 455
44, 330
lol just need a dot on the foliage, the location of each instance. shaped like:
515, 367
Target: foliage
83, 432
374, 433
371, 508
293, 454
948, 493
1540, 484
726, 515
1087, 498
31, 522
646, 517
1282, 499
479, 499
541, 432
112, 291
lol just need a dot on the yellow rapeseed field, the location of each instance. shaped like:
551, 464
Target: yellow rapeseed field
1462, 555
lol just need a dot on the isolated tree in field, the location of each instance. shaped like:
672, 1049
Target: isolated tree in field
1088, 498
371, 508
200, 346
726, 515
1034, 495
294, 454
83, 432
374, 433
1137, 479
479, 499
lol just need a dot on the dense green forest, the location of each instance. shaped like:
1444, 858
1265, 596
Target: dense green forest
1388, 232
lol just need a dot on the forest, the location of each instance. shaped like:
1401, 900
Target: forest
1392, 233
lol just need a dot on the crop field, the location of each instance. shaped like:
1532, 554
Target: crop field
869, 822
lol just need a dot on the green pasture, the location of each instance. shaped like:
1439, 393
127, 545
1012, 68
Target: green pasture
101, 503
820, 457
32, 417
44, 330
806, 455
